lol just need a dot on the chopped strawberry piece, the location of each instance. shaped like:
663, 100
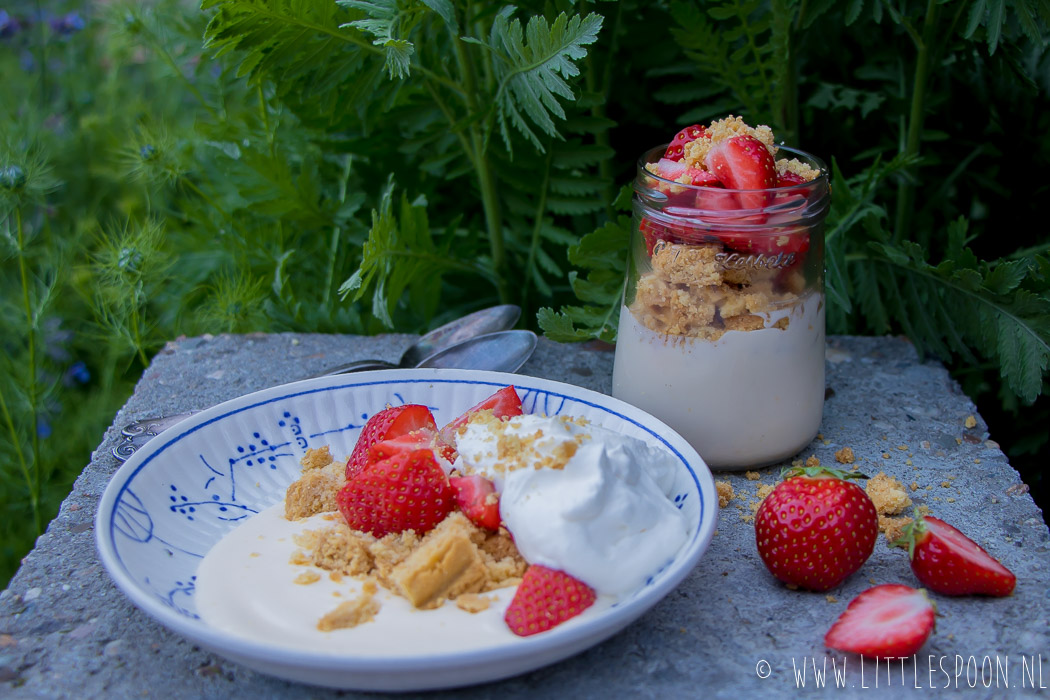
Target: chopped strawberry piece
676, 149
546, 598
424, 438
744, 163
391, 422
476, 497
702, 178
408, 491
948, 562
669, 169
503, 404
888, 621
788, 179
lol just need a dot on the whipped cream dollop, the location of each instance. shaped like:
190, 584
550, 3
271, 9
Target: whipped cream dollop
578, 497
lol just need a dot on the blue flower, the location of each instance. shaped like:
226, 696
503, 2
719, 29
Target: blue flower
77, 372
66, 25
9, 26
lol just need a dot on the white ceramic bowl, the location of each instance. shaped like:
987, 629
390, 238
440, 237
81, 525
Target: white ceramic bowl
182, 492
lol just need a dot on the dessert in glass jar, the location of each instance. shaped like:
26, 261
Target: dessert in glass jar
722, 328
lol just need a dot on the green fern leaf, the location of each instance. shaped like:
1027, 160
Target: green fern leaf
534, 66
386, 21
401, 254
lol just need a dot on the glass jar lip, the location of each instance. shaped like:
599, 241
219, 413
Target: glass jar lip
822, 179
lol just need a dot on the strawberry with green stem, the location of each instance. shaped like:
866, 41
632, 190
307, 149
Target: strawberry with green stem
816, 528
948, 562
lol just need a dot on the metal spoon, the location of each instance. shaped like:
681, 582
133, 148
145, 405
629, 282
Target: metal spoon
503, 351
490, 320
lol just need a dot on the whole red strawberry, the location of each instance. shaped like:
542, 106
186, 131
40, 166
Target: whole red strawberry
546, 598
949, 562
391, 422
408, 491
816, 528
888, 621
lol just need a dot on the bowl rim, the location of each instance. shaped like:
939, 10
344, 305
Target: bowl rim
597, 629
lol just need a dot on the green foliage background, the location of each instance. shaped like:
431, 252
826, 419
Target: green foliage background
356, 166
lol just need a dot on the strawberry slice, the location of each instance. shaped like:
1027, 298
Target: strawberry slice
744, 163
476, 497
503, 404
947, 561
676, 149
408, 491
546, 598
391, 422
887, 621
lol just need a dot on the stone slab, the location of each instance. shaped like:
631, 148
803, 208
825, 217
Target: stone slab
729, 631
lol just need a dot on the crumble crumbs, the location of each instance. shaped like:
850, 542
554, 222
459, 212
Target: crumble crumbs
845, 456
970, 422
752, 476
307, 577
352, 613
890, 498
813, 461
725, 493
474, 603
696, 151
887, 494
316, 458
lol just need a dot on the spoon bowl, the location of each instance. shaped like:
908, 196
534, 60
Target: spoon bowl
490, 320
503, 351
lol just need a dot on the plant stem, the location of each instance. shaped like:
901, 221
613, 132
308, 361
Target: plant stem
337, 232
541, 209
33, 479
486, 177
905, 189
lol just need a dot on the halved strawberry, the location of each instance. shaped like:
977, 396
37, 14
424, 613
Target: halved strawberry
391, 422
503, 404
546, 598
744, 163
887, 621
948, 562
408, 491
476, 497
676, 149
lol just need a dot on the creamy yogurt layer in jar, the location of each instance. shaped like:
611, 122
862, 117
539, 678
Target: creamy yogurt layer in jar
721, 333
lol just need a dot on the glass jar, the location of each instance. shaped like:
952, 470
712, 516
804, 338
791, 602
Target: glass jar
722, 328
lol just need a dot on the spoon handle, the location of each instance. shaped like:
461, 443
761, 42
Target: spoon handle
357, 366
